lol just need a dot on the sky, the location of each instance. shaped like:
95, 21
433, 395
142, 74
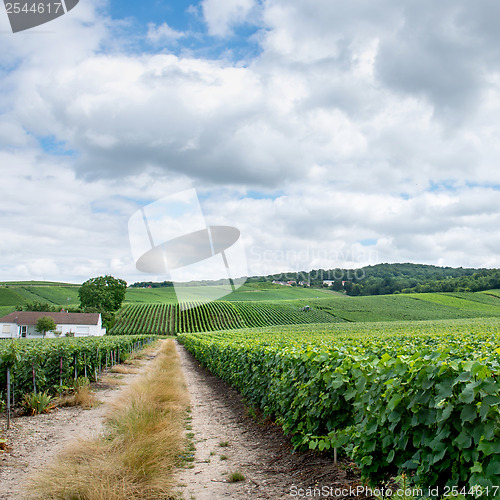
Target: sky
330, 133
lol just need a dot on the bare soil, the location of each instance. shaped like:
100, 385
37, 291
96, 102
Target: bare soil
228, 439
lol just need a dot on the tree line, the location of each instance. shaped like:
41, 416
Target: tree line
383, 279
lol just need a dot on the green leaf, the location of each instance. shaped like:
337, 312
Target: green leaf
493, 467
444, 389
385, 357
444, 413
394, 401
371, 427
438, 455
489, 447
468, 413
477, 467
468, 394
323, 445
463, 440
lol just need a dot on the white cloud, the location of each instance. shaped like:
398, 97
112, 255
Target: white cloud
348, 113
163, 32
221, 16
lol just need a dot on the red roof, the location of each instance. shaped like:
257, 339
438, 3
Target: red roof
61, 318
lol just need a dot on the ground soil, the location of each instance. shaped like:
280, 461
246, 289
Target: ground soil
256, 449
226, 437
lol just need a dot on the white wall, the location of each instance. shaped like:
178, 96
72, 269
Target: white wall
80, 330
8, 330
12, 330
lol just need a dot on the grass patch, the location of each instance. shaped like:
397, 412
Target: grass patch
138, 457
125, 370
110, 380
235, 477
224, 444
82, 397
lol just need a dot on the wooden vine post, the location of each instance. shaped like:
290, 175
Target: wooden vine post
11, 359
8, 397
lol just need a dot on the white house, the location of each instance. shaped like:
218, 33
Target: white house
23, 324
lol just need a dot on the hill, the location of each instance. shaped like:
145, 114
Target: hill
20, 293
170, 318
383, 279
250, 291
379, 279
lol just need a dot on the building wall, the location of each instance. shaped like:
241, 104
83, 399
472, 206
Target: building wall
8, 330
80, 330
12, 330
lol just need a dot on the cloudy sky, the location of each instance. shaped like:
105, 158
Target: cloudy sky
330, 133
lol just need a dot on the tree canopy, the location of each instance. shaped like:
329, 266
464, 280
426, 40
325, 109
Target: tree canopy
45, 324
104, 293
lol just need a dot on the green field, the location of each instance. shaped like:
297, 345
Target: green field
254, 292
166, 317
261, 305
37, 283
420, 397
14, 295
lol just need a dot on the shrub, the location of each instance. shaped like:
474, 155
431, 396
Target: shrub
36, 403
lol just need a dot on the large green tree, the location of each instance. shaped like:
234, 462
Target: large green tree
104, 293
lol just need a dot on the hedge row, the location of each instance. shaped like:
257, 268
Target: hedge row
43, 364
427, 406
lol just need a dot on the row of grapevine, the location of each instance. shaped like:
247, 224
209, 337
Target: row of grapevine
218, 315
280, 313
168, 319
42, 364
404, 400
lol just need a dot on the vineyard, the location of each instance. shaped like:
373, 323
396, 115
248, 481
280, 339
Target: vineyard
43, 364
171, 319
416, 397
165, 319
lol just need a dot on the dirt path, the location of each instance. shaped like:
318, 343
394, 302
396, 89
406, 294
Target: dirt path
227, 440
35, 441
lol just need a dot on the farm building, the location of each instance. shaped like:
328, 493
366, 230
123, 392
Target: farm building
23, 324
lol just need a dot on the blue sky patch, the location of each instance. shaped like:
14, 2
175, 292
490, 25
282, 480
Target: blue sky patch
51, 145
185, 18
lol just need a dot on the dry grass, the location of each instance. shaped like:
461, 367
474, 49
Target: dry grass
132, 361
83, 397
138, 457
123, 369
110, 380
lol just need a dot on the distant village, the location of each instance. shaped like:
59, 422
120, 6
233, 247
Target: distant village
304, 283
